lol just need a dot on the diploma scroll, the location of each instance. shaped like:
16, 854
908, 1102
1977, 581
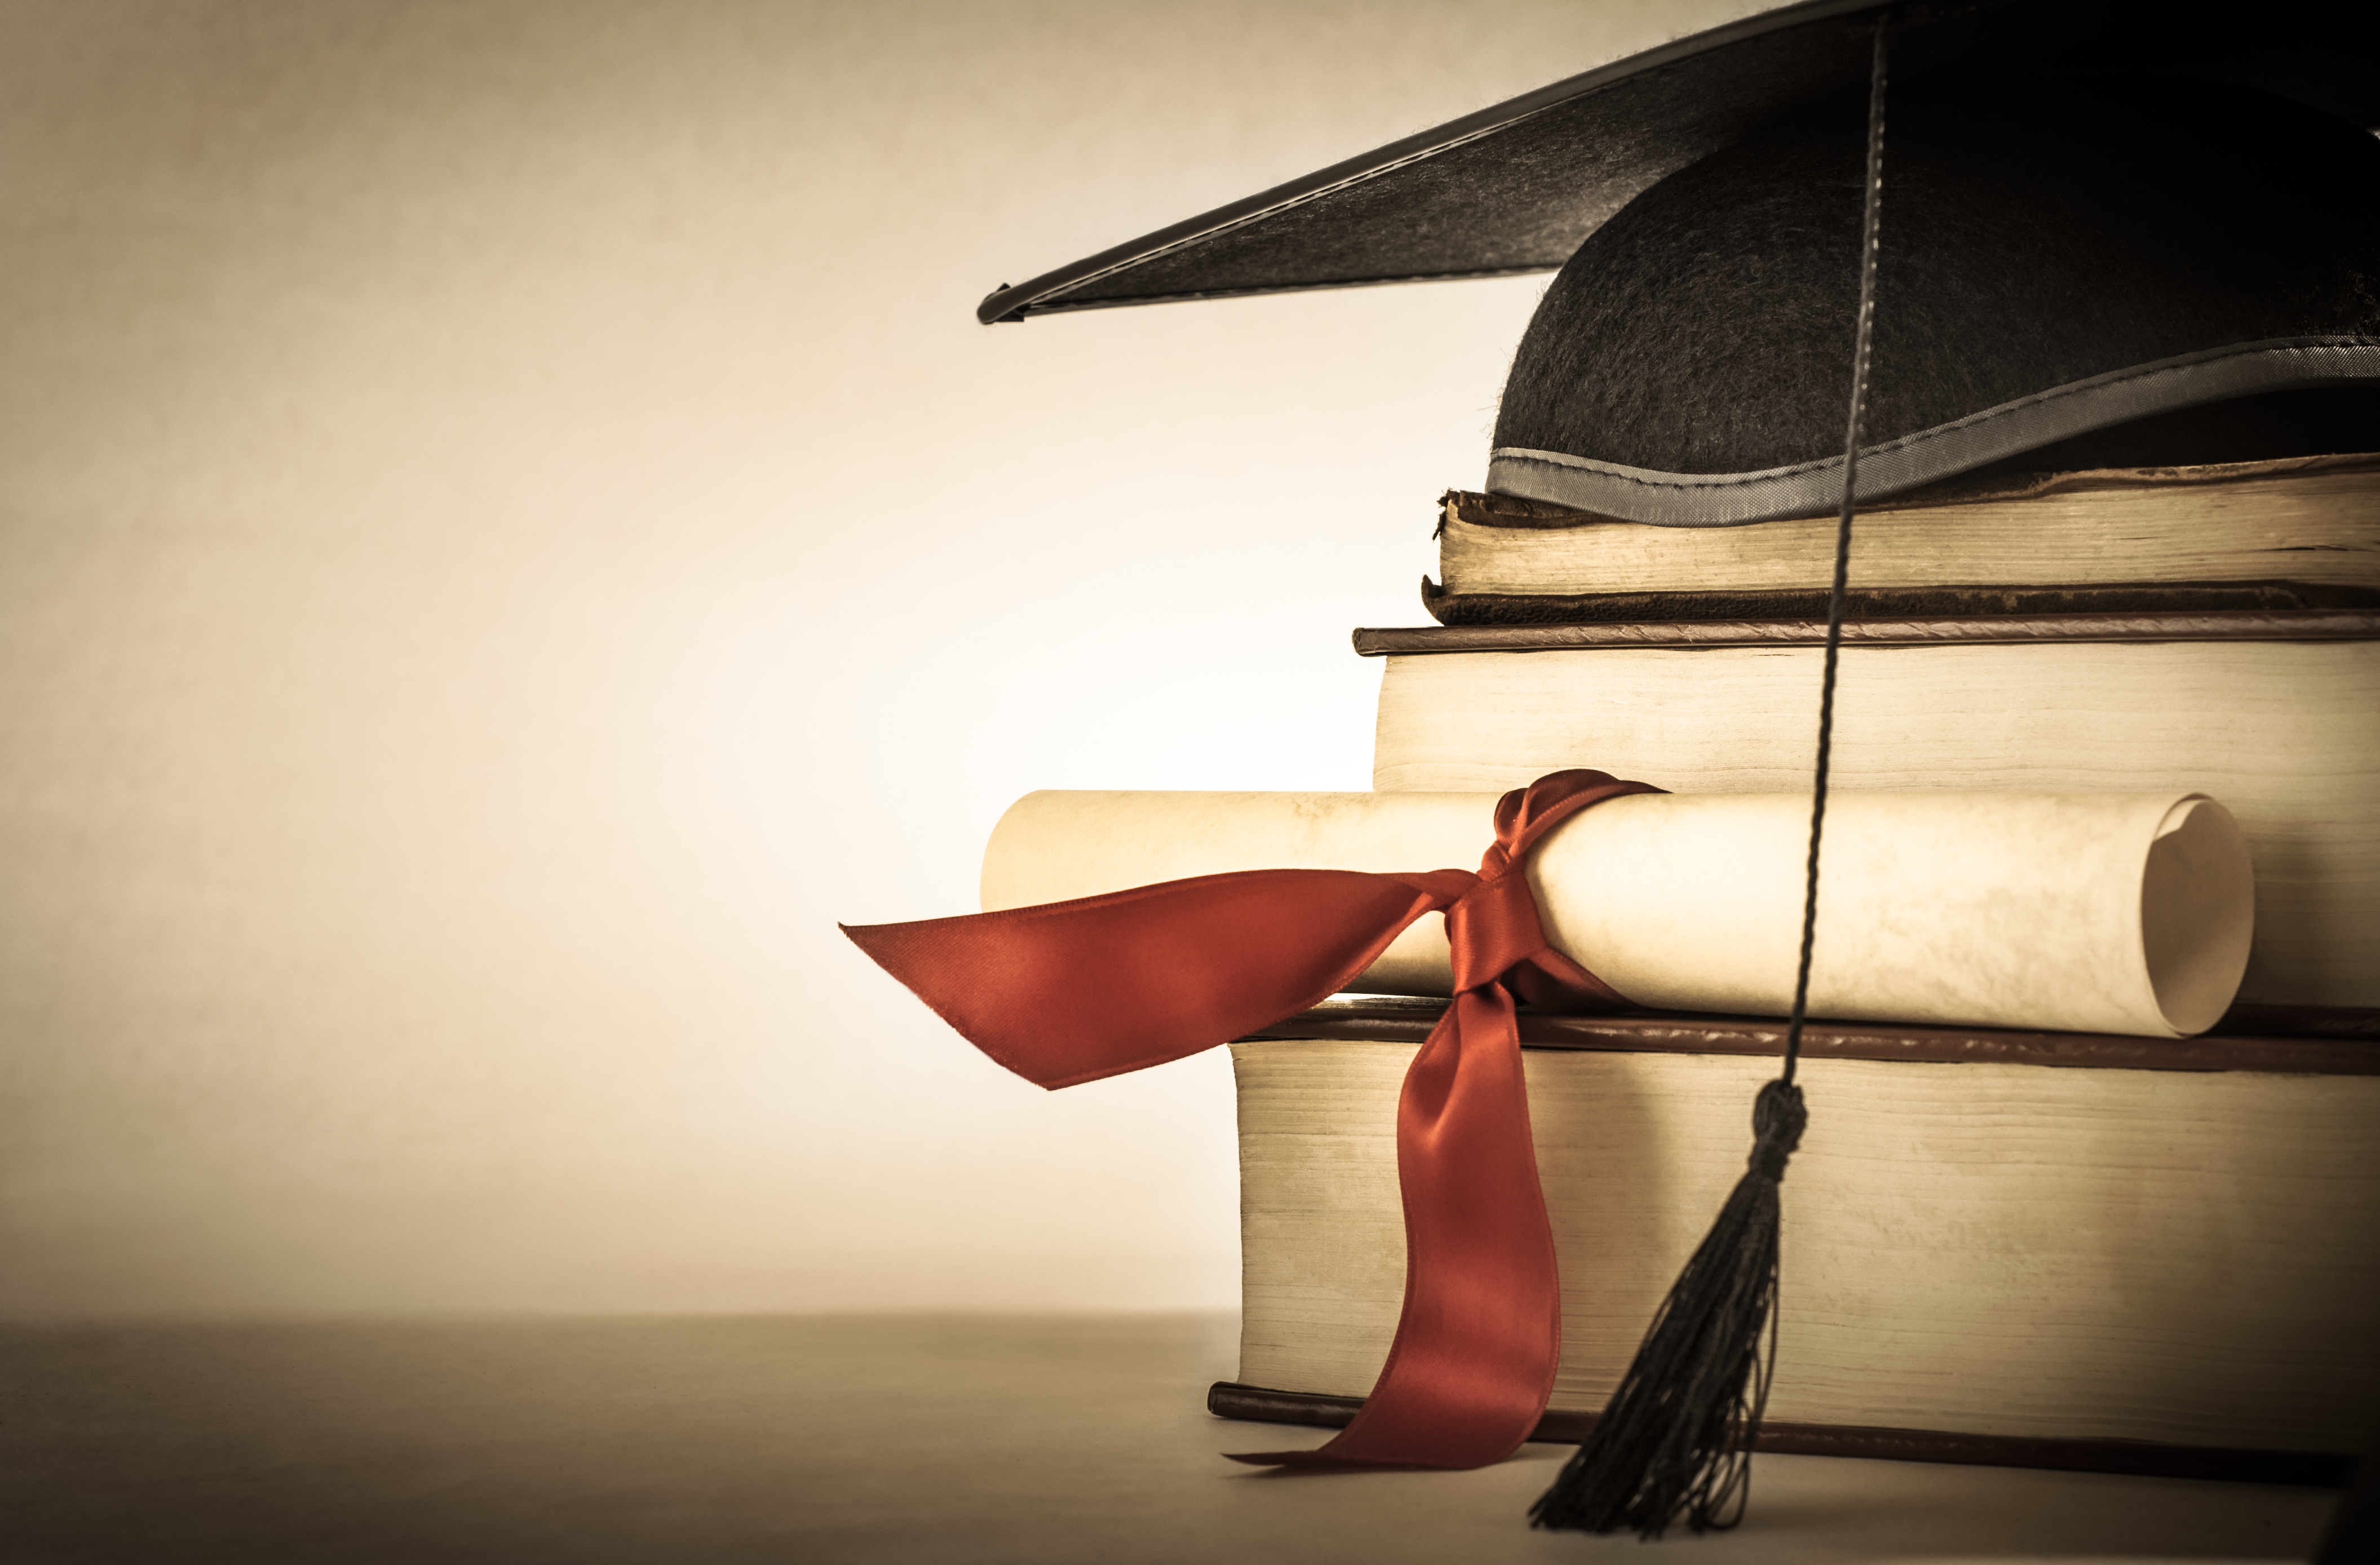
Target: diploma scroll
2113, 913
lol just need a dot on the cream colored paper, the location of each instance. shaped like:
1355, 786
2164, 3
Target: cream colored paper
2123, 913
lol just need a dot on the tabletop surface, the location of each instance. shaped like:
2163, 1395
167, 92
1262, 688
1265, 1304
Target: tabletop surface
915, 1439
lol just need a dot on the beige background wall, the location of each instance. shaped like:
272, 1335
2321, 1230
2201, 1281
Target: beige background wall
509, 529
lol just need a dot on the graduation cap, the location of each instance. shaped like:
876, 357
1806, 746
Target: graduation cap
2106, 217
2119, 232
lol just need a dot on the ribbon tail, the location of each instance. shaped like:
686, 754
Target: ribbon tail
1070, 991
1476, 1347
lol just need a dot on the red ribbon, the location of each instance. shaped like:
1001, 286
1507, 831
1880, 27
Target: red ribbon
1070, 991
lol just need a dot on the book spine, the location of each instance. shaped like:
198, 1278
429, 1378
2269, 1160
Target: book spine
2303, 625
2331, 1040
1228, 1398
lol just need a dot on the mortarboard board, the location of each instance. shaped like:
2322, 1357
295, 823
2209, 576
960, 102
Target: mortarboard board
1517, 187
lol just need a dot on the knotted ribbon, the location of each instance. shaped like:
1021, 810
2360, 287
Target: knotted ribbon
1072, 992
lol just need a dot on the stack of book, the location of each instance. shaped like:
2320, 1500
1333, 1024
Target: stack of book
2030, 1248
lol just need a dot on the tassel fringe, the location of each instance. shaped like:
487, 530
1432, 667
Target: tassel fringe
1675, 1441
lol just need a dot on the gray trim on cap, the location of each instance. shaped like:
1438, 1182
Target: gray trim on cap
1726, 500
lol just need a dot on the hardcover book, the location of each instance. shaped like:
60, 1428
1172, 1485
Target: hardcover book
2025, 1248
2292, 533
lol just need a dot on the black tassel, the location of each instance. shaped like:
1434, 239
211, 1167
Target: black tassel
1675, 1438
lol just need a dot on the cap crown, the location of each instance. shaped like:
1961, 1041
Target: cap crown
2034, 241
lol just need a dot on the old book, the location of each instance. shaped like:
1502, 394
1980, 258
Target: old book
2304, 532
2038, 1249
2277, 715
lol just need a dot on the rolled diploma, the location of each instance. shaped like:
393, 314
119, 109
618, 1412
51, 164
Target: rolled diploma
2117, 913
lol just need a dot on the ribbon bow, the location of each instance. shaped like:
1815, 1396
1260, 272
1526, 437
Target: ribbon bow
1072, 992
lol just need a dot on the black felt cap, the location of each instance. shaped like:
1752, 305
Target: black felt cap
2098, 213
2078, 272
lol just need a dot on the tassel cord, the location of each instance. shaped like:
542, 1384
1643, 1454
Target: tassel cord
1675, 1440
1871, 213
